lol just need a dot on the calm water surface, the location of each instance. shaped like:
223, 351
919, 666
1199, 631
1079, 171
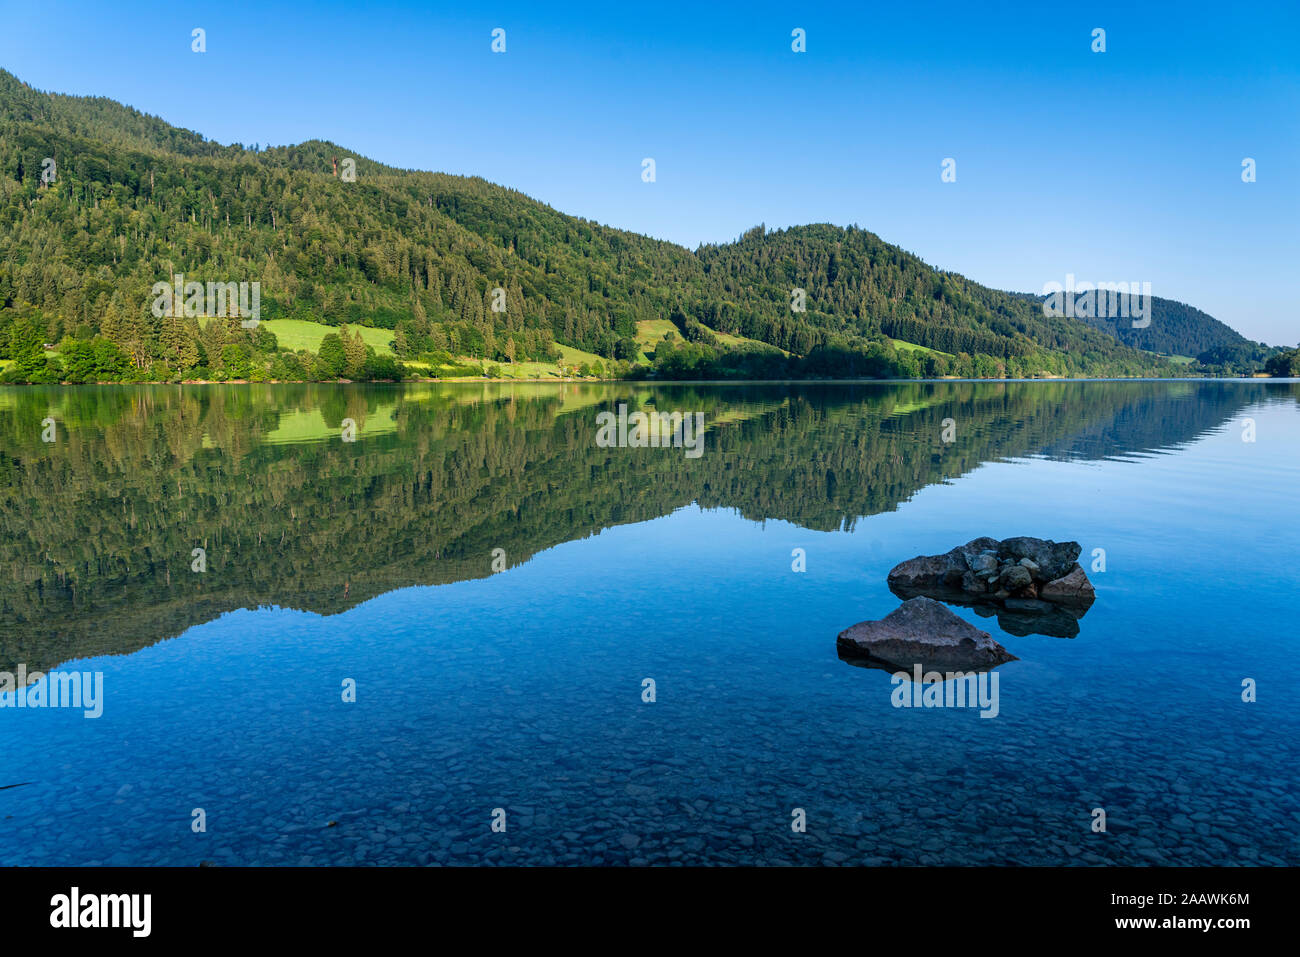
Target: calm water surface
521, 689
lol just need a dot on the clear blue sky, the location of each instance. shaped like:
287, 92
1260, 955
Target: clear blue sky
1117, 166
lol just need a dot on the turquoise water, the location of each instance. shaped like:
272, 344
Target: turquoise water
521, 689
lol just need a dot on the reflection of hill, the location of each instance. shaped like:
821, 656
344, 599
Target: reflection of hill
96, 529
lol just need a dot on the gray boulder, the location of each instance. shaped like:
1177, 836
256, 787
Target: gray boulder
922, 631
948, 569
1053, 559
1015, 577
1072, 588
922, 571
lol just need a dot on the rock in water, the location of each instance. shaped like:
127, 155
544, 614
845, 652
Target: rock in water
1072, 588
1015, 577
922, 631
988, 571
947, 569
1053, 559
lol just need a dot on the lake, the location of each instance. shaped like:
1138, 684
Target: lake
360, 625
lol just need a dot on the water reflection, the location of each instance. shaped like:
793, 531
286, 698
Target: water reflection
98, 529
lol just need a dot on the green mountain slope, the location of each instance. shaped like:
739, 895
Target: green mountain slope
450, 264
1175, 329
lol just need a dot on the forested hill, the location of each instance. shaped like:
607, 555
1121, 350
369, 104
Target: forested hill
134, 201
1175, 329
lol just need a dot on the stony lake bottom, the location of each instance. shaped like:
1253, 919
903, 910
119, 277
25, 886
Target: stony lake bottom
495, 588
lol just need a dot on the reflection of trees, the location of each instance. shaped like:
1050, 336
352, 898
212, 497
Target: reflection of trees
96, 529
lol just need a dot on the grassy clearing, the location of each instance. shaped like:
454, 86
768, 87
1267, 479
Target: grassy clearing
650, 332
729, 341
571, 358
295, 334
576, 357
902, 346
524, 370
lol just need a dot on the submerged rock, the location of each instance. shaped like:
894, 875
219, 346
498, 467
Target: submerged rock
922, 632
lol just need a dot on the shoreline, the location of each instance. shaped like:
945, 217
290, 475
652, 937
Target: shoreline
466, 380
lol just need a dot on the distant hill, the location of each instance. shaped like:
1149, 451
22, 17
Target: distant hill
136, 200
1176, 329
